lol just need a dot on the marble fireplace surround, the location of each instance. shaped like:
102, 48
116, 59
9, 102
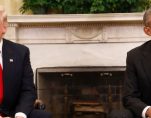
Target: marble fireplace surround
79, 40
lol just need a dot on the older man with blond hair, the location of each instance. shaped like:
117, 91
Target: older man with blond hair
17, 90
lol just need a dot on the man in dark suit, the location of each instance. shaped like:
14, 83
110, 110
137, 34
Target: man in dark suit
17, 91
137, 87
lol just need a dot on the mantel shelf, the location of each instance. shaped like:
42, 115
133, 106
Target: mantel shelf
76, 18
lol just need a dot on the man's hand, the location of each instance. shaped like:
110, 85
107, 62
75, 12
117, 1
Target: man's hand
148, 112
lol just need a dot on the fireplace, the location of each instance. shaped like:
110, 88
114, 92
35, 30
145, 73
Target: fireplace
85, 55
80, 92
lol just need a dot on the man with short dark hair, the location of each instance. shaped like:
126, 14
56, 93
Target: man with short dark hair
17, 91
137, 85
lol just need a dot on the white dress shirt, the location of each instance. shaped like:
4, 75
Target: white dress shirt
1, 62
1, 44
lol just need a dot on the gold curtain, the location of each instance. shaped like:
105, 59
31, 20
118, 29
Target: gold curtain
11, 6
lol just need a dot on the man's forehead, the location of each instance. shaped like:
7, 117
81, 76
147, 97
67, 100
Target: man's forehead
149, 20
2, 12
1, 8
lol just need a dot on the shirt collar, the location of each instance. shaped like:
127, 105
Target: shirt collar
1, 44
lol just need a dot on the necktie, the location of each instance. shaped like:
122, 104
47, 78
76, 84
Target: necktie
1, 84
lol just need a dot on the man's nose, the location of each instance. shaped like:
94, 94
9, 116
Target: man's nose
2, 30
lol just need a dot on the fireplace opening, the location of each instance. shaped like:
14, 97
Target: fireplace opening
80, 92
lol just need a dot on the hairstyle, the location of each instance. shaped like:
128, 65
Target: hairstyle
146, 17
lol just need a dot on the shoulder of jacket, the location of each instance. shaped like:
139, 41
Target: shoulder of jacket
139, 49
15, 45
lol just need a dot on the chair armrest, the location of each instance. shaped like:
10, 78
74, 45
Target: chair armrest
39, 105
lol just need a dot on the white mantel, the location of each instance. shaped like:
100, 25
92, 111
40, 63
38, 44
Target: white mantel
78, 40
66, 18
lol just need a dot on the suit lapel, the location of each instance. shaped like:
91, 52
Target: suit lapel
146, 59
7, 54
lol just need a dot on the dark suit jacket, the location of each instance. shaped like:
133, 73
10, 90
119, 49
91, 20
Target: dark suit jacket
19, 90
137, 87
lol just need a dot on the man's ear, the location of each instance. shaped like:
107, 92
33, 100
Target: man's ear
147, 30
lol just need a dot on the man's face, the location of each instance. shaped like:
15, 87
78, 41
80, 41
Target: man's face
147, 30
147, 27
3, 24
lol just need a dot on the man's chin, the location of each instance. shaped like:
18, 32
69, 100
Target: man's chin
2, 36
